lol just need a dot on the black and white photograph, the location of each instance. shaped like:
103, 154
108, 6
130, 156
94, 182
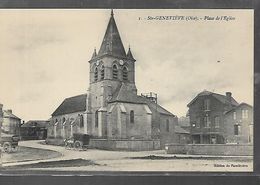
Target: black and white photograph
127, 90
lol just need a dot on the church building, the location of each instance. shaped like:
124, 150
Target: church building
111, 108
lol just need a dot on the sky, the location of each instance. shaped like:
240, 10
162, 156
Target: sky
44, 55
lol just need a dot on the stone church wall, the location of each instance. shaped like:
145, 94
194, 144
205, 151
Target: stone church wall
119, 121
141, 128
67, 128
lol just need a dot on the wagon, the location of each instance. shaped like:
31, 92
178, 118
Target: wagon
9, 143
78, 141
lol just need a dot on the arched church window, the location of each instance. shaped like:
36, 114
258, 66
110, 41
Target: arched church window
102, 72
125, 73
132, 116
96, 74
115, 71
167, 126
81, 123
96, 119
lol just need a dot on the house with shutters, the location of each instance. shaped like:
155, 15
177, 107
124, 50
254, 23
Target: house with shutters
111, 108
219, 119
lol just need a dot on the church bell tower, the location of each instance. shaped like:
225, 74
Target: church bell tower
109, 68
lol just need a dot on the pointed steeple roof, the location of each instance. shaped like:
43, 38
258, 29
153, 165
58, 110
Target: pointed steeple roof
129, 54
94, 54
112, 43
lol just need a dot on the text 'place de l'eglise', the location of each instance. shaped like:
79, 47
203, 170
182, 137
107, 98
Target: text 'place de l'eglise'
117, 117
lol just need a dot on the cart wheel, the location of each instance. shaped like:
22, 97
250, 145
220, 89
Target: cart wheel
7, 147
15, 149
78, 145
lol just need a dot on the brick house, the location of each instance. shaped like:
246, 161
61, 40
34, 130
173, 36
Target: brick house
111, 108
206, 112
239, 124
212, 119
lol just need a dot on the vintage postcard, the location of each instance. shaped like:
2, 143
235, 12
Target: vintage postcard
139, 90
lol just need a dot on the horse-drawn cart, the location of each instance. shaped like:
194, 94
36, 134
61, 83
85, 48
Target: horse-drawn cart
78, 142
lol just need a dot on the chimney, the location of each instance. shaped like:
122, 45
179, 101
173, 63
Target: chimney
9, 110
228, 95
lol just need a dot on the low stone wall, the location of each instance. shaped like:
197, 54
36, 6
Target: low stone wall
55, 141
210, 149
116, 144
124, 144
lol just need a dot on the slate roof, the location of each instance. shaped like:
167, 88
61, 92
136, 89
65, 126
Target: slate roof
220, 97
124, 94
180, 130
158, 107
234, 108
130, 55
36, 123
9, 115
94, 54
112, 43
72, 104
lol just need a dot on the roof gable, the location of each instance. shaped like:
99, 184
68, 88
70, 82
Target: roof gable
219, 97
7, 114
235, 108
72, 104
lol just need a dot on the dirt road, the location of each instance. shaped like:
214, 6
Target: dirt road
103, 160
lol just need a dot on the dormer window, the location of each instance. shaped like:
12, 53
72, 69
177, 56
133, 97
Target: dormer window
102, 72
115, 72
96, 74
125, 73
